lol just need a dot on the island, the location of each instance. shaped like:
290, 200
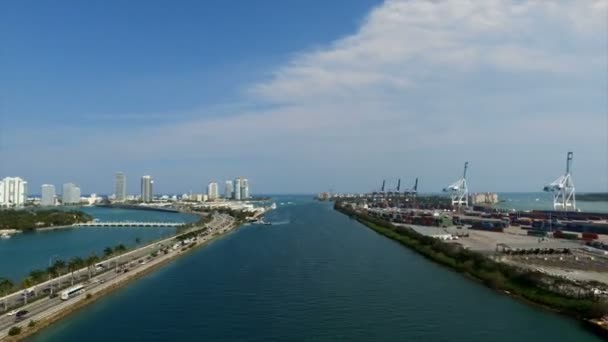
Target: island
25, 220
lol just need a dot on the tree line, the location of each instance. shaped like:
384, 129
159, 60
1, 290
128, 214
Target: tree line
59, 268
32, 219
554, 292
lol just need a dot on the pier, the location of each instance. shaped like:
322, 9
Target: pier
128, 224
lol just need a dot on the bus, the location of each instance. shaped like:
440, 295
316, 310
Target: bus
72, 292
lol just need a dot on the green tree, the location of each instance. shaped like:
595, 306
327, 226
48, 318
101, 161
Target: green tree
108, 251
27, 282
37, 276
73, 265
14, 331
90, 262
120, 248
137, 240
6, 287
59, 267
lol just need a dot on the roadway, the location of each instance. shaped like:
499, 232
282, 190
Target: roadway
114, 271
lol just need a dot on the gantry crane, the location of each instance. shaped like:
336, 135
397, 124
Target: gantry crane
459, 191
563, 189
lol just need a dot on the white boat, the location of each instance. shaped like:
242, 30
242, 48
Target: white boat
273, 206
5, 236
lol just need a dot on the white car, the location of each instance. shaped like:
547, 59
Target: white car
12, 313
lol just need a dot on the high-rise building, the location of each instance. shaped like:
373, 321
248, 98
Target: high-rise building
212, 190
228, 189
121, 187
70, 194
13, 192
244, 189
237, 188
47, 197
147, 188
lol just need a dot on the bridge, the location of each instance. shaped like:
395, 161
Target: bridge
128, 224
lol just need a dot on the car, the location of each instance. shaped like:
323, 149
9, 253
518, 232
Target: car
12, 313
21, 313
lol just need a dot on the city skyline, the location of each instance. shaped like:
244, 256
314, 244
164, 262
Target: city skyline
510, 86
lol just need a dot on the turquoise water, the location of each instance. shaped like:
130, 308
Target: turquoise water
543, 201
316, 276
24, 252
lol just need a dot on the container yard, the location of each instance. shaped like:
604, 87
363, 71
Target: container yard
563, 240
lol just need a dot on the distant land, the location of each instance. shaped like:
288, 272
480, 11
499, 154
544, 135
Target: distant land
593, 196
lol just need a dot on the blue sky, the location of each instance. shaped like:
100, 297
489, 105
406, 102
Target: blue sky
303, 96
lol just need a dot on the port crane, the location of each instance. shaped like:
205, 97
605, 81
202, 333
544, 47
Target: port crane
413, 190
459, 192
563, 189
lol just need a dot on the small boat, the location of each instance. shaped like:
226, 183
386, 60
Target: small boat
262, 222
5, 236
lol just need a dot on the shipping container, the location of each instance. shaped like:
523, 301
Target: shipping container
590, 236
539, 233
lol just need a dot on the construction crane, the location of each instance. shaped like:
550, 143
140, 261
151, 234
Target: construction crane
563, 189
459, 192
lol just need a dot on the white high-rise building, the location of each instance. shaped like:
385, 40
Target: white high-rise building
237, 188
121, 187
212, 190
13, 192
147, 188
47, 197
244, 189
70, 194
228, 189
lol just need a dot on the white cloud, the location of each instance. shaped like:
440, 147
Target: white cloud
417, 81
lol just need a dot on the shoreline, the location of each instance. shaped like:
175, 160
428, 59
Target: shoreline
590, 324
85, 300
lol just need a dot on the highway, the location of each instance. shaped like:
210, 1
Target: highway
114, 270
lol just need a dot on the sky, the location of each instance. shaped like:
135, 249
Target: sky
303, 96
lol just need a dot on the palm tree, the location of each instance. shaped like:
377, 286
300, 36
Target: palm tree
74, 264
59, 266
6, 286
108, 251
120, 248
90, 261
37, 276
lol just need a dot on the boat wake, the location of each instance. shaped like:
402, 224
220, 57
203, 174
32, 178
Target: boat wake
280, 223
